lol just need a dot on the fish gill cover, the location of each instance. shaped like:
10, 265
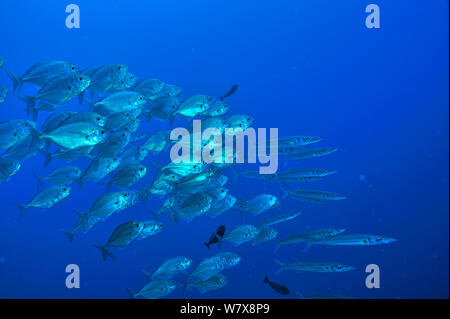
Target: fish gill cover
115, 162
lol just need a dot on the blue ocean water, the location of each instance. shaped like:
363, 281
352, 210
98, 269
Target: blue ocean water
304, 67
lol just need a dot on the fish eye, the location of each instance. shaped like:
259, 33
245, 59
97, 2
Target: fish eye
334, 196
141, 98
72, 68
306, 139
15, 134
64, 189
81, 79
69, 87
114, 159
141, 169
378, 239
102, 132
98, 119
118, 68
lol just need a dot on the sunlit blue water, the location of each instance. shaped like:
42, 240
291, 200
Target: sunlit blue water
305, 67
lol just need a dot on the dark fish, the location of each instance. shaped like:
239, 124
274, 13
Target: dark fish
217, 236
282, 290
230, 91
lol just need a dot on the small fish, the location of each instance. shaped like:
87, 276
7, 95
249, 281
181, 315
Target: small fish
90, 117
241, 234
279, 219
258, 204
150, 88
122, 101
208, 268
55, 93
222, 206
213, 283
171, 267
309, 153
26, 148
54, 120
128, 175
68, 155
114, 143
117, 120
164, 107
150, 228
8, 168
265, 234
353, 240
297, 140
41, 73
241, 121
216, 237
310, 236
194, 105
105, 77
60, 176
155, 289
3, 94
76, 135
158, 141
314, 266
99, 168
230, 92
313, 195
123, 84
281, 289
46, 199
15, 131
121, 237
133, 155
194, 206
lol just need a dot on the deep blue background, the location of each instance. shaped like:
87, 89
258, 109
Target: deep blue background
306, 67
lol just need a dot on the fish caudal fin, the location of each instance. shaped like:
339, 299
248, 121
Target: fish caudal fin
266, 280
23, 209
17, 81
47, 156
207, 245
308, 245
38, 180
131, 293
70, 234
281, 267
105, 252
30, 102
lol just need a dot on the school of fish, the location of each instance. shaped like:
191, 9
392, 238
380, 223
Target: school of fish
107, 134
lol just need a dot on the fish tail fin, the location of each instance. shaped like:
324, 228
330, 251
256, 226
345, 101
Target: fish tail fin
277, 246
80, 183
81, 97
266, 280
38, 180
17, 81
30, 103
47, 156
131, 294
207, 245
308, 245
70, 234
300, 295
281, 267
23, 209
105, 251
149, 275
